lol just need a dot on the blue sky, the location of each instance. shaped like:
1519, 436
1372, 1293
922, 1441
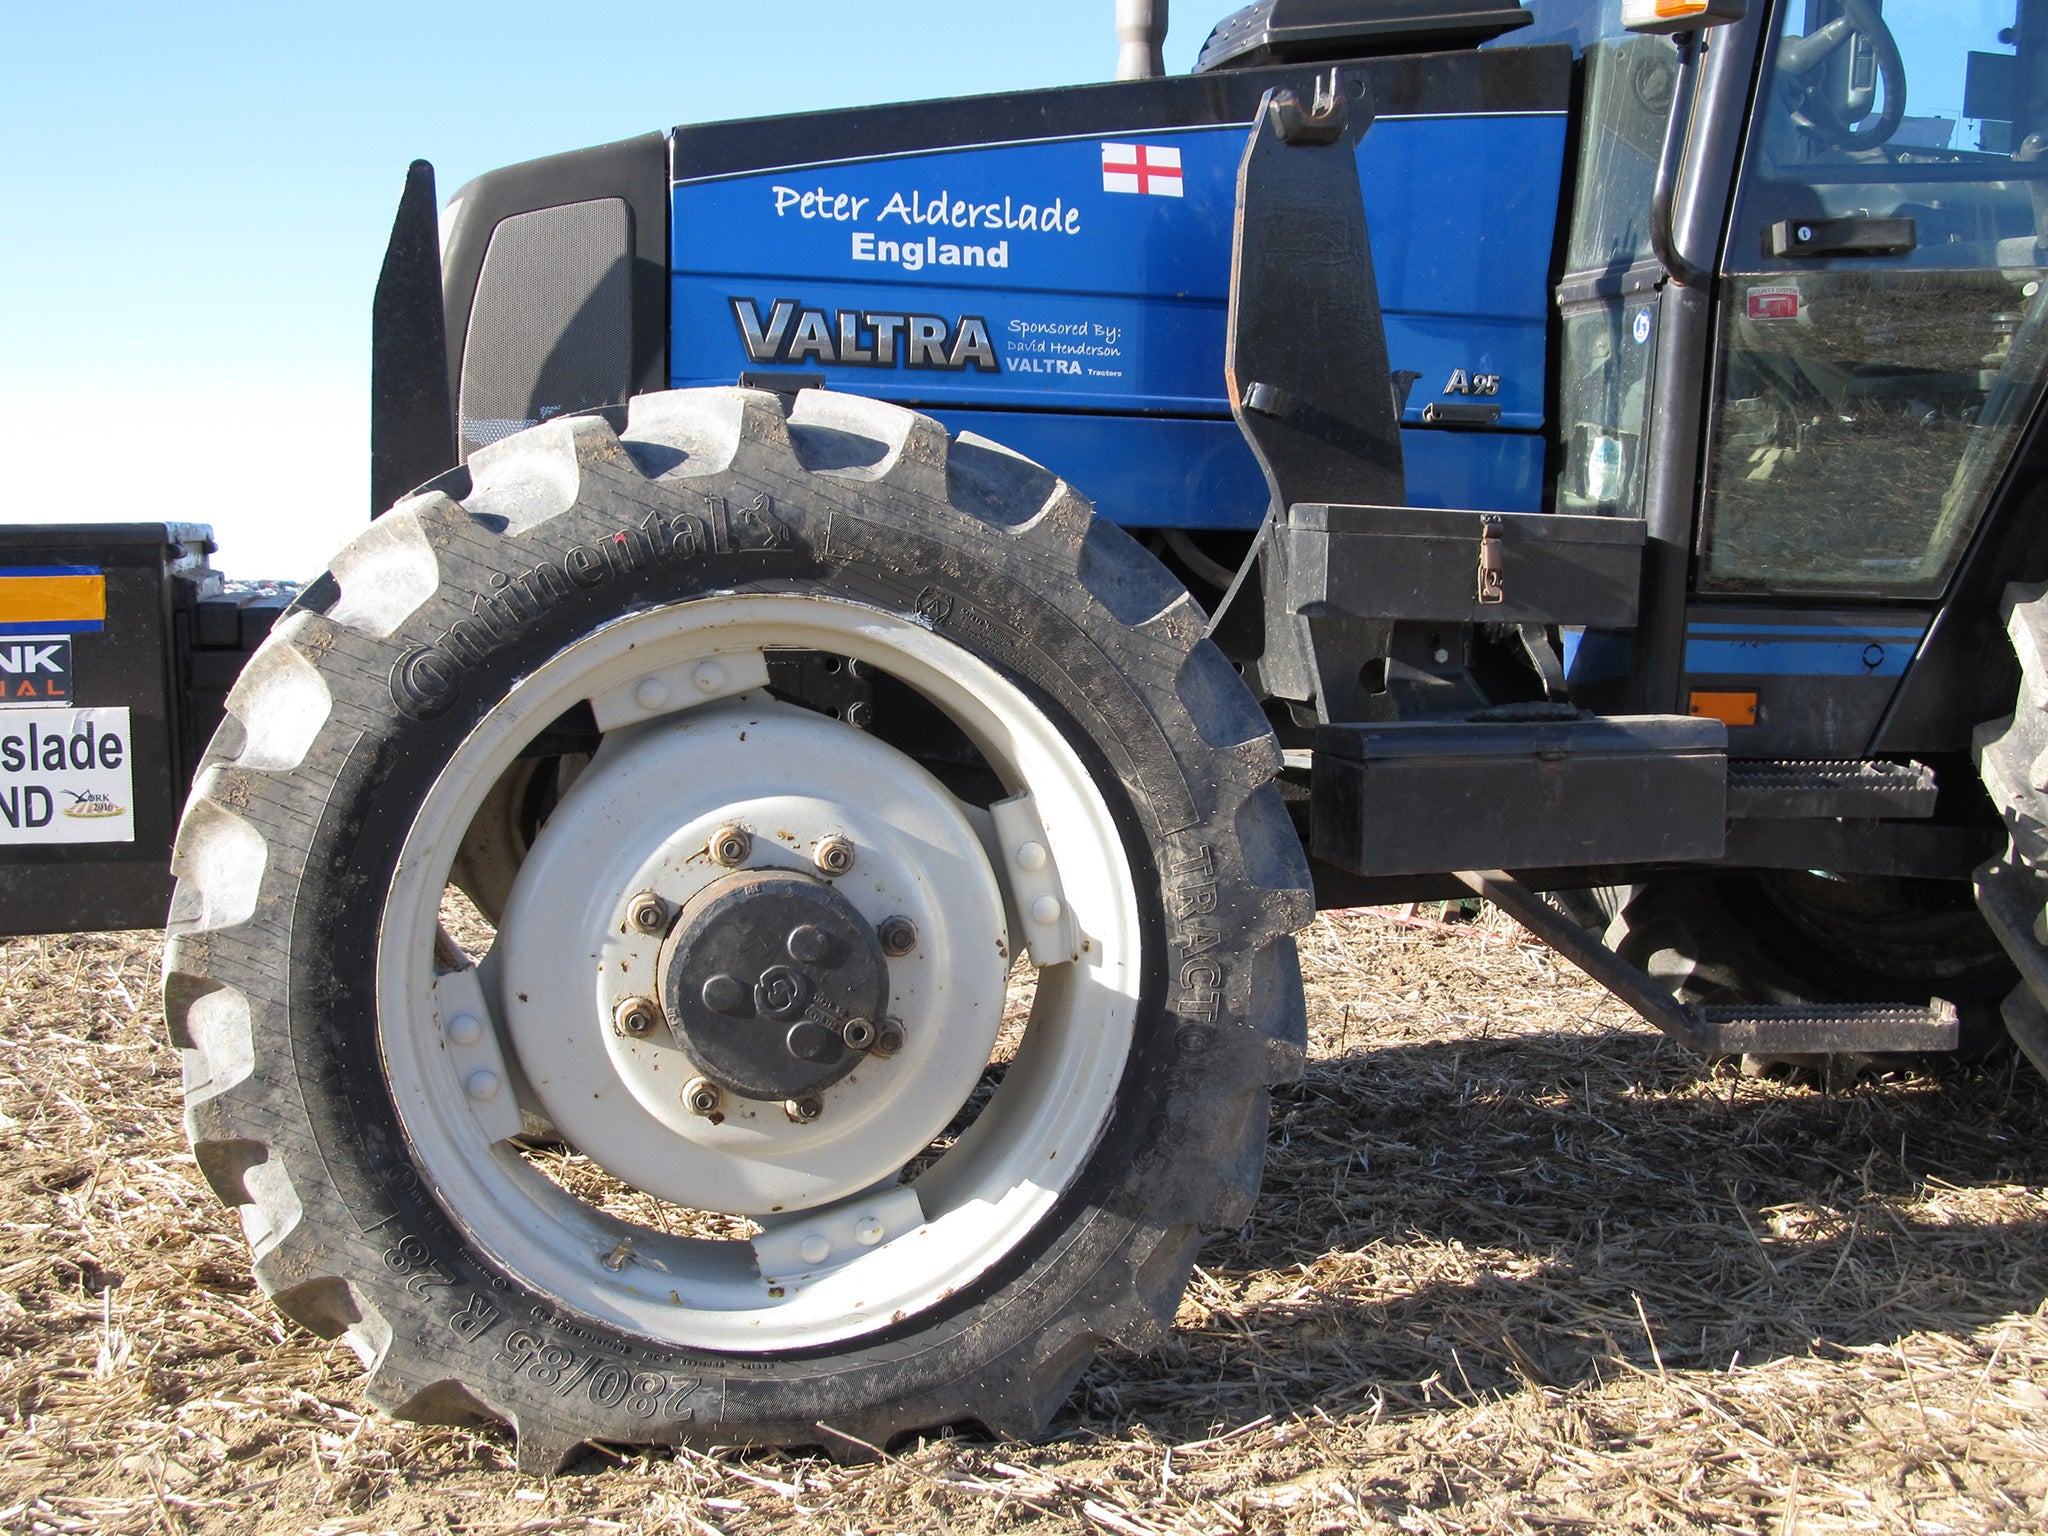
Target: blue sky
194, 201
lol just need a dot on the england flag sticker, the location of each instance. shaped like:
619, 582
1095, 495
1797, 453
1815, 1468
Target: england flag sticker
1146, 168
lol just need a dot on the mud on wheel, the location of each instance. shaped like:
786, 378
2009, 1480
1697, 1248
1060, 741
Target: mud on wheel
698, 1117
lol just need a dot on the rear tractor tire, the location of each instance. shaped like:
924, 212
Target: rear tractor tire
704, 1121
2013, 888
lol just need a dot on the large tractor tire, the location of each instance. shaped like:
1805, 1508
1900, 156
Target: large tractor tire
1784, 937
718, 1134
2013, 888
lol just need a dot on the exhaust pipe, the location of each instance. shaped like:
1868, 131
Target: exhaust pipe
1141, 39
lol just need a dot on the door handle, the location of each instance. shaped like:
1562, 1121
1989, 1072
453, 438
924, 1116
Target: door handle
1841, 237
1459, 413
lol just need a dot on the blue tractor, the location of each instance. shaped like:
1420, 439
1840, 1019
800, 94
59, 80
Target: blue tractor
755, 901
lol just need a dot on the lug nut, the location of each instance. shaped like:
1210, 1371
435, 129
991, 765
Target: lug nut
888, 1038
898, 935
858, 1034
636, 1016
647, 912
730, 846
703, 1097
833, 856
804, 1110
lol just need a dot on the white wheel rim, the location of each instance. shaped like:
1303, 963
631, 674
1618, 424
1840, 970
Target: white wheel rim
845, 1249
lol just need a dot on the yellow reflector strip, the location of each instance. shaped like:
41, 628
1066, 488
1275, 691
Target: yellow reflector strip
1729, 708
60, 600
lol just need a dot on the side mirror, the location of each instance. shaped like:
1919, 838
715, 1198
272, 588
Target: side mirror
1659, 16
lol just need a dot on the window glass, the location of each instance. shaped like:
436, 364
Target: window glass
1607, 335
1862, 425
1629, 81
1629, 84
1607, 349
1578, 22
1915, 109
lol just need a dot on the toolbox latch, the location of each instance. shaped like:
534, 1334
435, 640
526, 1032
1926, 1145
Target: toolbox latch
1490, 588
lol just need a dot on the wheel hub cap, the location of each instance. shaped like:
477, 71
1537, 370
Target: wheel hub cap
761, 978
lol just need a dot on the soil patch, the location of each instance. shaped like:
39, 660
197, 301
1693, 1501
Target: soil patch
1520, 1266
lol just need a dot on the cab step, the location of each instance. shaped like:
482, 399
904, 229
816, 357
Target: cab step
1747, 1029
1820, 1030
1785, 789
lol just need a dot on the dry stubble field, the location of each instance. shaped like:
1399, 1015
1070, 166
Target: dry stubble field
1519, 1267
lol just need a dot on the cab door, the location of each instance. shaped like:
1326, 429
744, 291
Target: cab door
1881, 340
1880, 310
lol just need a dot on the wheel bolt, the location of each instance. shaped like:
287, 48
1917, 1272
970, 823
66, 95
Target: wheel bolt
808, 1040
647, 912
724, 994
888, 1038
467, 1028
803, 1111
636, 1016
898, 935
703, 1097
730, 846
807, 944
858, 1034
834, 855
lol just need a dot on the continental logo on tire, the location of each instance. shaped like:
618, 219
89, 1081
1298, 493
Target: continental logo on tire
427, 680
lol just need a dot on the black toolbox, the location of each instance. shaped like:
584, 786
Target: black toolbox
1367, 562
1430, 796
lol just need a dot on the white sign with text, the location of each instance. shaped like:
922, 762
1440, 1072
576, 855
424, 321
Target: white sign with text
66, 776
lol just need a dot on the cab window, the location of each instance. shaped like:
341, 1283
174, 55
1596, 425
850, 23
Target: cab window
1882, 324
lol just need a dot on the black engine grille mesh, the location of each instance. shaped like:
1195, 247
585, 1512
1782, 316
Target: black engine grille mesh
551, 329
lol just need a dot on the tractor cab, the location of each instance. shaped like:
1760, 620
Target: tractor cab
1809, 364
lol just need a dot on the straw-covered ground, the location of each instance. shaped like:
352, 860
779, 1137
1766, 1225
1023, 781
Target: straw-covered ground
1519, 1267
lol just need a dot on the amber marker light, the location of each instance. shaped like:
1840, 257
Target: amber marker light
1728, 708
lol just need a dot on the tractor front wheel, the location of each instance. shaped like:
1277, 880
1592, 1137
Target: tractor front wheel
707, 1119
